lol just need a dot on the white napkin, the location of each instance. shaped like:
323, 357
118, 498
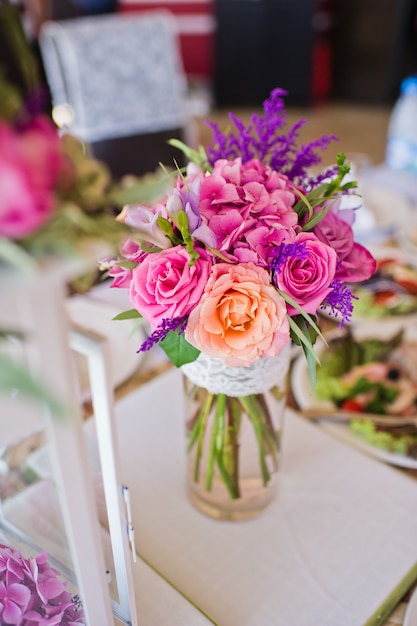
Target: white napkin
338, 540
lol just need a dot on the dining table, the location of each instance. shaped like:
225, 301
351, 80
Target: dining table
397, 608
338, 546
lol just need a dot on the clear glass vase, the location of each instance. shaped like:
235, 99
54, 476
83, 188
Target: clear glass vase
234, 420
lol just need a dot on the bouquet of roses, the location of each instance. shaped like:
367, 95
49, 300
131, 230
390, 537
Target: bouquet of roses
231, 265
245, 248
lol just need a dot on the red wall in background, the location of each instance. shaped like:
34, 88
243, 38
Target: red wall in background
196, 26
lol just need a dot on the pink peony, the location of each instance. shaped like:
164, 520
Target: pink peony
30, 164
240, 318
354, 262
165, 286
307, 280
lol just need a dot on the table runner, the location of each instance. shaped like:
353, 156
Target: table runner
337, 547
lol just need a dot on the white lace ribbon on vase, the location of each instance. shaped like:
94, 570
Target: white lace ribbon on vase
212, 374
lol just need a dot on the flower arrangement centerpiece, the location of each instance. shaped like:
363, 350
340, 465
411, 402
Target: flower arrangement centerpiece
32, 593
231, 265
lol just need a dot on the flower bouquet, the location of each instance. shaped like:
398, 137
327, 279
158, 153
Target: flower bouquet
31, 593
231, 265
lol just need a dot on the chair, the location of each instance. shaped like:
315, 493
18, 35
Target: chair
121, 79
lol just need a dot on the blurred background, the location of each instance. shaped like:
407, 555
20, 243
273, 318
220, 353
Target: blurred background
342, 62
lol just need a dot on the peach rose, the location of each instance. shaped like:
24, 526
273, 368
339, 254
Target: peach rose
240, 317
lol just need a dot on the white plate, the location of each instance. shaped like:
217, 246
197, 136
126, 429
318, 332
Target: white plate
98, 316
390, 211
387, 323
305, 398
410, 617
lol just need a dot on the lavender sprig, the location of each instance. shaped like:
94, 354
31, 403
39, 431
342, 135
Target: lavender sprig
286, 251
340, 302
263, 139
158, 335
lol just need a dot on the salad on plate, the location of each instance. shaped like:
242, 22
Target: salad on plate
367, 377
392, 289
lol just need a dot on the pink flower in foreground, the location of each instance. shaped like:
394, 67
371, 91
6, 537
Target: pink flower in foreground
164, 285
355, 262
307, 279
240, 318
31, 593
30, 164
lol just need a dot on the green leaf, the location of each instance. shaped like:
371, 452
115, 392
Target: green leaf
147, 189
300, 309
305, 340
13, 376
178, 350
311, 363
128, 315
197, 156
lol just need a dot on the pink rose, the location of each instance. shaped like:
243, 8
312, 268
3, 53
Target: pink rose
354, 262
164, 285
240, 318
307, 280
30, 164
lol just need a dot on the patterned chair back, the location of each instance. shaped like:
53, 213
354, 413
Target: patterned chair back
121, 75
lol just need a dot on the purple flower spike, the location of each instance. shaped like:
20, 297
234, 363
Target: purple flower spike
339, 302
158, 335
264, 139
286, 251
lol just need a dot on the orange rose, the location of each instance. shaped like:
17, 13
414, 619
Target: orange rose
240, 317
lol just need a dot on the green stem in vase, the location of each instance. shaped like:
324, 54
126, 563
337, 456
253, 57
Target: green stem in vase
202, 417
254, 412
268, 420
231, 447
212, 451
198, 433
220, 446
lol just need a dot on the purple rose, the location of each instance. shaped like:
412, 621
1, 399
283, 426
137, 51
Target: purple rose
307, 278
164, 285
354, 262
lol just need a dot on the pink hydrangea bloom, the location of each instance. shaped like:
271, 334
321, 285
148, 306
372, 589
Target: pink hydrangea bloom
239, 199
31, 593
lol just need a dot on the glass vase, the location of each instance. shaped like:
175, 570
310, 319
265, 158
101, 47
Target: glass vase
234, 420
